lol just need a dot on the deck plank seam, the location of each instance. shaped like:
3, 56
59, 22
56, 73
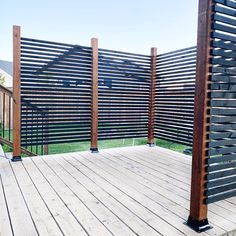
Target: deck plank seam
5, 198
61, 198
216, 213
147, 195
141, 203
44, 200
107, 192
23, 197
78, 196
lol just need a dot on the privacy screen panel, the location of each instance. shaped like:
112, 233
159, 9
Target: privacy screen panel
55, 92
124, 83
221, 178
175, 88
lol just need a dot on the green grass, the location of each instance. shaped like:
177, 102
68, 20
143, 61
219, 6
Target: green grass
84, 146
7, 135
6, 148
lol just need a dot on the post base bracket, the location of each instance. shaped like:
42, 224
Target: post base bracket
198, 226
94, 150
151, 144
16, 158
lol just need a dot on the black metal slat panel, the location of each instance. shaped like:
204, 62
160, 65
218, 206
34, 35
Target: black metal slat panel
221, 164
56, 92
124, 82
175, 95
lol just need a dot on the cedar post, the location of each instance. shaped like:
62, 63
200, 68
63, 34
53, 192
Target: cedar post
16, 94
94, 103
198, 209
152, 98
45, 149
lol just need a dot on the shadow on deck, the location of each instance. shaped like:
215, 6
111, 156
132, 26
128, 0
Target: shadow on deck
121, 191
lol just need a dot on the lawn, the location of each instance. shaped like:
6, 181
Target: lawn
83, 146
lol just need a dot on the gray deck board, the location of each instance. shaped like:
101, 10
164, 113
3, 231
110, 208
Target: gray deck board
120, 191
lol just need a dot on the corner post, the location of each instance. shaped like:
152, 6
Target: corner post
16, 94
198, 209
151, 121
94, 103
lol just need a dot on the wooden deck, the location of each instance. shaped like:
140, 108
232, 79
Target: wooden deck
123, 191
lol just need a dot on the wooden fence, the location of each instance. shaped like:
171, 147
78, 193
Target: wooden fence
57, 90
214, 143
221, 178
123, 97
175, 89
71, 93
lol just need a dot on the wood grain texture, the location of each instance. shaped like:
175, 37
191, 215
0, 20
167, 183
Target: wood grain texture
5, 90
198, 209
16, 92
94, 109
120, 191
151, 122
175, 86
10, 144
221, 163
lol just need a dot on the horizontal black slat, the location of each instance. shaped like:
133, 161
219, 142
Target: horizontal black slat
224, 10
219, 151
221, 160
224, 36
228, 3
45, 135
223, 45
220, 197
25, 40
224, 142
223, 94
223, 111
225, 158
221, 166
112, 137
220, 182
176, 58
221, 174
220, 189
62, 141
112, 52
174, 139
222, 134
175, 96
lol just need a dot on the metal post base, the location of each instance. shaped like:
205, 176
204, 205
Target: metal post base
188, 151
94, 150
151, 144
198, 226
16, 158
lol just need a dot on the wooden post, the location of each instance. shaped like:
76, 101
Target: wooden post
94, 103
198, 209
16, 94
45, 149
152, 97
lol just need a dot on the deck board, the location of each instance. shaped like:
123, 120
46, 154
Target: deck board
138, 192
103, 195
163, 205
64, 217
216, 212
98, 178
120, 191
5, 224
77, 191
18, 210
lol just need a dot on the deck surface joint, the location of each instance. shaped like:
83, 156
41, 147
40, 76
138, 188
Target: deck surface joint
120, 191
